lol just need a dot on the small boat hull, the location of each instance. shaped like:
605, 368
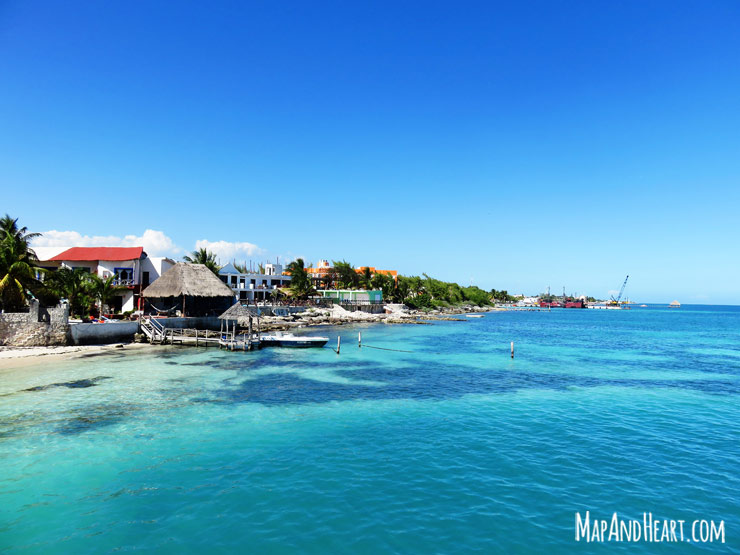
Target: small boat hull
294, 341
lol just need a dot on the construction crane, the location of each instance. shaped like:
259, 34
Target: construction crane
621, 292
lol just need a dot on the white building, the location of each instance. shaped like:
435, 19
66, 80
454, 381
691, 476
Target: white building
359, 296
131, 267
251, 287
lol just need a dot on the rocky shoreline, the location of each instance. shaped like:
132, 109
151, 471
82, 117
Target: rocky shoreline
11, 357
395, 314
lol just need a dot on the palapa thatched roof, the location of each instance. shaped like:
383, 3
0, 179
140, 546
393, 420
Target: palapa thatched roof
239, 312
192, 280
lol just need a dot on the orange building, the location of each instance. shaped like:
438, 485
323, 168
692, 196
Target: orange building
373, 271
323, 268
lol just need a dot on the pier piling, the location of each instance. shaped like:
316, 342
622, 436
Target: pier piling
512, 349
339, 343
359, 339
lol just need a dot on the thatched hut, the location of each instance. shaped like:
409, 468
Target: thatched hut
192, 288
240, 314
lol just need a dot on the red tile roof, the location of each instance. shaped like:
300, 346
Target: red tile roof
89, 254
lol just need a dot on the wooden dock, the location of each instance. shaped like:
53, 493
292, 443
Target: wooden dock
229, 339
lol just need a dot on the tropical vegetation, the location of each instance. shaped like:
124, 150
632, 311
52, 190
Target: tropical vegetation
104, 291
205, 257
86, 292
20, 272
18, 265
428, 292
301, 285
414, 291
74, 285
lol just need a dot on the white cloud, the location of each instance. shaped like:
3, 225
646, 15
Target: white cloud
227, 251
155, 243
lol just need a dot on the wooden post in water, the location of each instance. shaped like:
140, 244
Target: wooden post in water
512, 349
359, 339
196, 337
339, 343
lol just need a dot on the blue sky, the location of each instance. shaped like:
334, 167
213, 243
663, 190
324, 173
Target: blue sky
514, 145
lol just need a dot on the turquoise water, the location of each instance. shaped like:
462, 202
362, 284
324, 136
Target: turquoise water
450, 448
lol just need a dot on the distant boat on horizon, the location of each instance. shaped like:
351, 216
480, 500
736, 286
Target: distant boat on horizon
674, 304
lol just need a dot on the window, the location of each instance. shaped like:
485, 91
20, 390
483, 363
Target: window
117, 304
145, 279
124, 276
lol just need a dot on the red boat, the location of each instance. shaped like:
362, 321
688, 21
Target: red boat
567, 303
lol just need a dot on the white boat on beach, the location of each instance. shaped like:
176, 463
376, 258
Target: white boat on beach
290, 340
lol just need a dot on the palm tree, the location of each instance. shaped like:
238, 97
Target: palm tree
73, 285
401, 290
347, 277
18, 264
104, 290
205, 257
241, 268
366, 279
300, 282
385, 283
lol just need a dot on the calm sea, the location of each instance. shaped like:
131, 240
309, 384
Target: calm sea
444, 445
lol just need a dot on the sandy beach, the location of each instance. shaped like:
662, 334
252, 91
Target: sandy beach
14, 357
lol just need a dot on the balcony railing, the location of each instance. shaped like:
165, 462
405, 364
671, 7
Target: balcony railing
124, 282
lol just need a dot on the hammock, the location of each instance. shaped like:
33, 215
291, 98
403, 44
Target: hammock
160, 311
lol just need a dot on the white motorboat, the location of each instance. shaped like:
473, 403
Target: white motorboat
474, 315
290, 340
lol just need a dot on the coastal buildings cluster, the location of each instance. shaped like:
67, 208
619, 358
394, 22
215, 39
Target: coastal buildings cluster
139, 279
95, 284
133, 271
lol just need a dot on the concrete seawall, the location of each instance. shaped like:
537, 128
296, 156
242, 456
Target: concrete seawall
98, 334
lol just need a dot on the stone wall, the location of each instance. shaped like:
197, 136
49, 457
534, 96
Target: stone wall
39, 327
369, 308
